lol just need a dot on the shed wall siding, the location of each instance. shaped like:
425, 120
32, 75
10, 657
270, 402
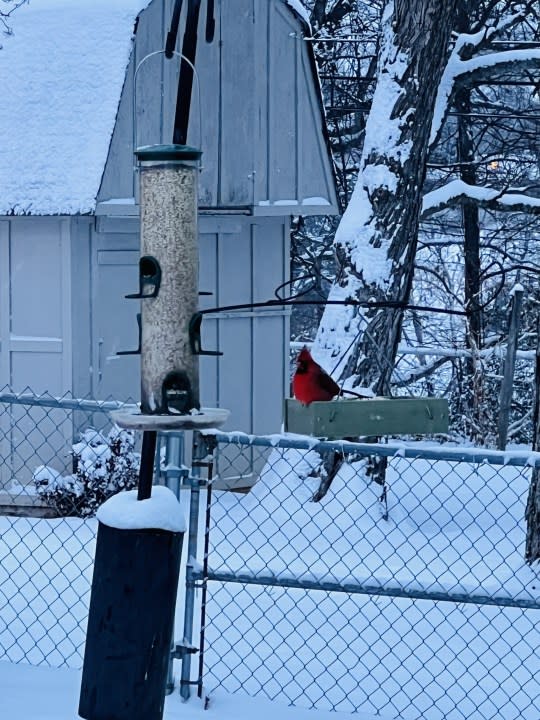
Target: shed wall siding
261, 124
35, 340
35, 309
241, 261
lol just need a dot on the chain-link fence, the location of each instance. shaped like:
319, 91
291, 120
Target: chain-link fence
57, 458
60, 458
385, 578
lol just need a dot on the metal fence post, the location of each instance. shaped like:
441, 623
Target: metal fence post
200, 451
507, 385
173, 477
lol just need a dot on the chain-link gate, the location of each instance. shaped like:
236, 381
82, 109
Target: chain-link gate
430, 613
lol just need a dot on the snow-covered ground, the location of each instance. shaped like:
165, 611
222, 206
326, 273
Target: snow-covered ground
452, 527
29, 693
45, 575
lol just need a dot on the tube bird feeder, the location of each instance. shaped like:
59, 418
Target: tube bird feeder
169, 248
168, 291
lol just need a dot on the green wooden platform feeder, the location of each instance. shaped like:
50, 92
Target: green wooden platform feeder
368, 417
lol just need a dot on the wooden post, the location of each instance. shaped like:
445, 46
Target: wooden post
507, 385
130, 624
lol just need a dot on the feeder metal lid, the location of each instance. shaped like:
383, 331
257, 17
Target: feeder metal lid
167, 152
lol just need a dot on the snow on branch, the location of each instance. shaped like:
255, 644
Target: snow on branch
458, 191
467, 43
480, 68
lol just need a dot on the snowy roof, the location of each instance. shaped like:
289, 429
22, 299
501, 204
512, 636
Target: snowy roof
61, 75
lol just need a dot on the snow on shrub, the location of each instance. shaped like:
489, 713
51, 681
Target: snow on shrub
102, 465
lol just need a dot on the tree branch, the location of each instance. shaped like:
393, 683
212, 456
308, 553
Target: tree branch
457, 191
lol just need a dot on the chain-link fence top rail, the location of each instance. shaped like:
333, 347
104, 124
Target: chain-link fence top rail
401, 591
46, 564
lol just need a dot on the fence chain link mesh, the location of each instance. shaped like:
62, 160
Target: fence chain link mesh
405, 596
46, 546
381, 578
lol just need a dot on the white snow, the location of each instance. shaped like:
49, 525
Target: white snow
456, 189
457, 67
455, 527
61, 75
45, 474
383, 141
161, 511
45, 569
432, 503
29, 693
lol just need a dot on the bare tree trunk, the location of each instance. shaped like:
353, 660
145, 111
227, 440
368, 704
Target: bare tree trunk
377, 237
466, 152
471, 251
532, 511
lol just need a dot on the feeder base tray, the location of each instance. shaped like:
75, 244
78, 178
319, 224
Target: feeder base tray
131, 418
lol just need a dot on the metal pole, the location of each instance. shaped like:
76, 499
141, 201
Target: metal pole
146, 471
204, 593
507, 385
174, 471
174, 453
199, 452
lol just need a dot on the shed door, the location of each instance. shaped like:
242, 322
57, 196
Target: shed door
35, 335
116, 275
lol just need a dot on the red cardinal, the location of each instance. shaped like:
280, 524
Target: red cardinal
310, 382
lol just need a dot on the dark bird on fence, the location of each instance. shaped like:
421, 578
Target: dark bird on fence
310, 382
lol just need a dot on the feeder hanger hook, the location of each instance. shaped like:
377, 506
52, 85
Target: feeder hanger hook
189, 51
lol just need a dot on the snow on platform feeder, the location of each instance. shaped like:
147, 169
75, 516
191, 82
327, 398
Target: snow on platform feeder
371, 416
203, 419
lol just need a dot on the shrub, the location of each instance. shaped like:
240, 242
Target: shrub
102, 466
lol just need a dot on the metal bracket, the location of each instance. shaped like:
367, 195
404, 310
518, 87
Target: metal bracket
180, 651
138, 350
195, 337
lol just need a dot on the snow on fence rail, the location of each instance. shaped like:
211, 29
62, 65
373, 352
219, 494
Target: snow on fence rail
431, 613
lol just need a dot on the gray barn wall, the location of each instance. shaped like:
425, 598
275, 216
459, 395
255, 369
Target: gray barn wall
262, 126
35, 303
35, 340
63, 318
242, 260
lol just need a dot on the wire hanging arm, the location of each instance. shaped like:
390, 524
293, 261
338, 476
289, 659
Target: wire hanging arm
185, 82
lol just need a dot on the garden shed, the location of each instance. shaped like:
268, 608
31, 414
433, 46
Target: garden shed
95, 85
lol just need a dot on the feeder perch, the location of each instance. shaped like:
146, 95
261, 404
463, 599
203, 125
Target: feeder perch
373, 416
